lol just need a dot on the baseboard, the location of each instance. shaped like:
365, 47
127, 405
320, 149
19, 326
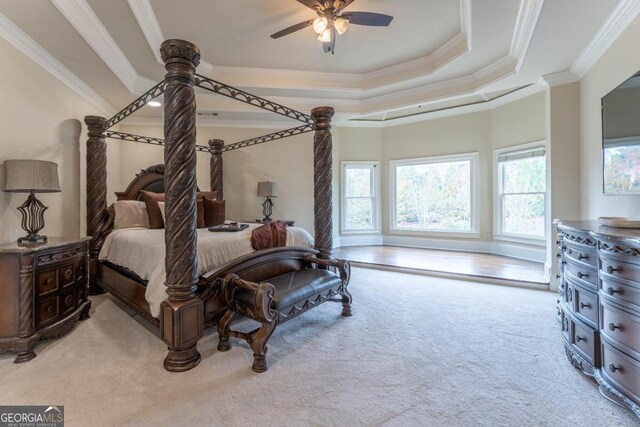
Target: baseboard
513, 250
360, 240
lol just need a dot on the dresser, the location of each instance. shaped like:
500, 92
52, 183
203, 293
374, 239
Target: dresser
599, 306
44, 292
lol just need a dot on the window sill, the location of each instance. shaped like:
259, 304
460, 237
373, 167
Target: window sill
427, 233
360, 231
521, 240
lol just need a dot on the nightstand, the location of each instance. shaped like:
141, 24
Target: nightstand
44, 292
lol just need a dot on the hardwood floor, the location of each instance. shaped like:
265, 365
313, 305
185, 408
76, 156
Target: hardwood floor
468, 264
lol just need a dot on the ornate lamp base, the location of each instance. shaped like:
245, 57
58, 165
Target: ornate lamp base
266, 209
32, 221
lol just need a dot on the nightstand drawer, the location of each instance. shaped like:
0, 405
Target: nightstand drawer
47, 282
67, 302
66, 275
47, 310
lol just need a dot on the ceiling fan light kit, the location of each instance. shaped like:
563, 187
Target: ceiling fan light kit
331, 20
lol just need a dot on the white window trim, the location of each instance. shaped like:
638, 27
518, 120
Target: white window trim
474, 159
498, 234
375, 166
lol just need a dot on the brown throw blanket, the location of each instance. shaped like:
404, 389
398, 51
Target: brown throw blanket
270, 235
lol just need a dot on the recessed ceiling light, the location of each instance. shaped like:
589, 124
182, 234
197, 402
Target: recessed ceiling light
154, 104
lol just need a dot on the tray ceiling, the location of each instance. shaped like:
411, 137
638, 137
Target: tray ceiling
436, 54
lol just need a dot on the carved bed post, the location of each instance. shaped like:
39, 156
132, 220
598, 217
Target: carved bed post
96, 193
216, 166
182, 313
322, 177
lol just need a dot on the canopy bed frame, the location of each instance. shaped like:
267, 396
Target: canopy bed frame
193, 301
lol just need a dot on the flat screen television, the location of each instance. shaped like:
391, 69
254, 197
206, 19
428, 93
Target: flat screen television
621, 138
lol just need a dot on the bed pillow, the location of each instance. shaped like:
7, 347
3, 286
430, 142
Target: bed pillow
156, 219
129, 214
214, 212
151, 201
200, 211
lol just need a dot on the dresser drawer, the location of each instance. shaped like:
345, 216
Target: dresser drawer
586, 306
47, 310
47, 282
585, 340
620, 292
582, 254
621, 328
612, 267
581, 273
621, 370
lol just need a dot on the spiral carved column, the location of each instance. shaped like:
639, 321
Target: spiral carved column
322, 178
96, 193
25, 310
181, 315
216, 167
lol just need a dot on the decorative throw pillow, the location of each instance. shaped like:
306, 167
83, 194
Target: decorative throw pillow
156, 219
214, 212
129, 214
200, 211
151, 200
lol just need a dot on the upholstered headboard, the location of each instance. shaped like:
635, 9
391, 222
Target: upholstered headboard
149, 179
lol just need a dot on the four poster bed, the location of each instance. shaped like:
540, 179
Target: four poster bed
194, 300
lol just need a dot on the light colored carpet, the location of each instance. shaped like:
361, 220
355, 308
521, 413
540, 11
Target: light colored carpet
418, 351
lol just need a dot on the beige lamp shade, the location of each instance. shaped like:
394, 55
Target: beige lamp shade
24, 176
267, 189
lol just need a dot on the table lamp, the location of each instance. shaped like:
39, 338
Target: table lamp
267, 189
32, 176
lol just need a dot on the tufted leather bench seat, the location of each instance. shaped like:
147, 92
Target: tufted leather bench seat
279, 300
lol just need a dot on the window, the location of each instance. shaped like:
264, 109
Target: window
360, 200
435, 194
521, 190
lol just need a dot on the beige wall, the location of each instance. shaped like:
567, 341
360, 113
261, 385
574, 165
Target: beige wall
618, 64
41, 120
516, 123
289, 162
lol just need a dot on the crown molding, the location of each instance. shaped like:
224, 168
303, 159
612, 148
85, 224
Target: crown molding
385, 78
624, 13
151, 29
528, 15
557, 79
448, 112
88, 25
26, 45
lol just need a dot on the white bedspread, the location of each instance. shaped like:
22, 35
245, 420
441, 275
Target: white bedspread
142, 250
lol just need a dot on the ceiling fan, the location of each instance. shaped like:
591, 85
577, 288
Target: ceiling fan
331, 20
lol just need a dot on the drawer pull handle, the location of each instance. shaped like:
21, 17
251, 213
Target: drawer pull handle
558, 255
558, 276
610, 269
569, 251
50, 309
614, 368
49, 281
579, 338
583, 305
612, 291
581, 275
580, 256
613, 327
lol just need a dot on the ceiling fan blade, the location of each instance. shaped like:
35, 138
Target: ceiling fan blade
330, 46
368, 18
311, 4
292, 29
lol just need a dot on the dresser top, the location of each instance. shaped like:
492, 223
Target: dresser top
594, 228
52, 243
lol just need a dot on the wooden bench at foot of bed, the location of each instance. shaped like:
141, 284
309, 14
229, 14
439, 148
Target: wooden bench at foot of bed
280, 299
